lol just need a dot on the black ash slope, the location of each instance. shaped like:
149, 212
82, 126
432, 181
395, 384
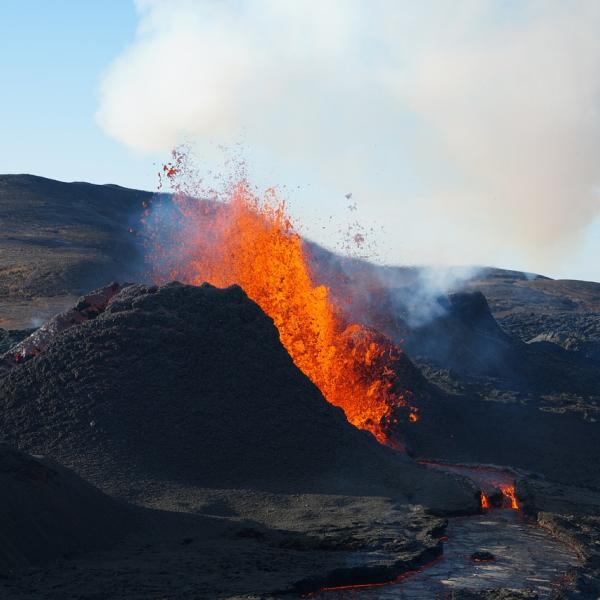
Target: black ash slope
58, 240
487, 396
531, 406
48, 513
191, 384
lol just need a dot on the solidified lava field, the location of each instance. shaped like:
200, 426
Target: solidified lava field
517, 555
190, 452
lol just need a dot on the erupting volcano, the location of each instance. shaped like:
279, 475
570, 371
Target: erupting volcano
250, 241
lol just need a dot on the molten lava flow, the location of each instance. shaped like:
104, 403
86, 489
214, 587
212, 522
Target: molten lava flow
251, 242
508, 491
375, 584
490, 479
509, 498
485, 503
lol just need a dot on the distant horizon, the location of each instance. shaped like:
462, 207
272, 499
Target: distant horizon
477, 267
465, 132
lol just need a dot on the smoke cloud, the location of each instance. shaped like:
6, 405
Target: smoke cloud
470, 130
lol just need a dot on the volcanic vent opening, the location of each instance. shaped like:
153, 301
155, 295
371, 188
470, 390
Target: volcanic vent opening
241, 238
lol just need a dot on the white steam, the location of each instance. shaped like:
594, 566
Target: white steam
470, 129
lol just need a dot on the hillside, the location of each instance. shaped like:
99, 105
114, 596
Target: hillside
182, 400
58, 240
191, 384
48, 512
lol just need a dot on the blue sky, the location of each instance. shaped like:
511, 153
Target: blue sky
468, 132
52, 56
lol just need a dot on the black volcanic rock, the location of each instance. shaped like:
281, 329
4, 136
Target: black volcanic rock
48, 512
469, 430
56, 237
489, 396
507, 405
88, 307
482, 556
493, 594
192, 384
466, 340
10, 338
565, 312
583, 533
465, 337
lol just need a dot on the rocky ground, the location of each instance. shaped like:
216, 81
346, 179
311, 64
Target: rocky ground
571, 514
564, 312
239, 477
11, 337
228, 544
504, 372
492, 398
48, 512
497, 551
192, 384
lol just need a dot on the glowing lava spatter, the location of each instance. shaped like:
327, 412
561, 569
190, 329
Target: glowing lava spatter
250, 241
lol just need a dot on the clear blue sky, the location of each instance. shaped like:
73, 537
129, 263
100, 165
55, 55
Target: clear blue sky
412, 152
52, 56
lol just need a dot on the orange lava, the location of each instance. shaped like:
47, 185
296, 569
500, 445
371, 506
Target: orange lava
508, 491
485, 503
508, 496
250, 241
398, 579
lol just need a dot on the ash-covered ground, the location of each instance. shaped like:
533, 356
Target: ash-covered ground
199, 462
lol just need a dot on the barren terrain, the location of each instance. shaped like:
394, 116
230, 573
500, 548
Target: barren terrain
234, 477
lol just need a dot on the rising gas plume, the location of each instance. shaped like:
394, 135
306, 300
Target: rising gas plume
470, 130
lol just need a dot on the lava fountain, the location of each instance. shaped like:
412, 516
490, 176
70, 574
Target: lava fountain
249, 240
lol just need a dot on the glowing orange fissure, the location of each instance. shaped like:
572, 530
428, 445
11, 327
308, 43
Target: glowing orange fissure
251, 242
398, 579
508, 495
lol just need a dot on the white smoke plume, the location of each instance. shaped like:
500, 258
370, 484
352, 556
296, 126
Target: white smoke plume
470, 129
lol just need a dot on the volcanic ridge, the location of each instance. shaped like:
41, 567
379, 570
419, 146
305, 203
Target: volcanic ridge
192, 384
216, 466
